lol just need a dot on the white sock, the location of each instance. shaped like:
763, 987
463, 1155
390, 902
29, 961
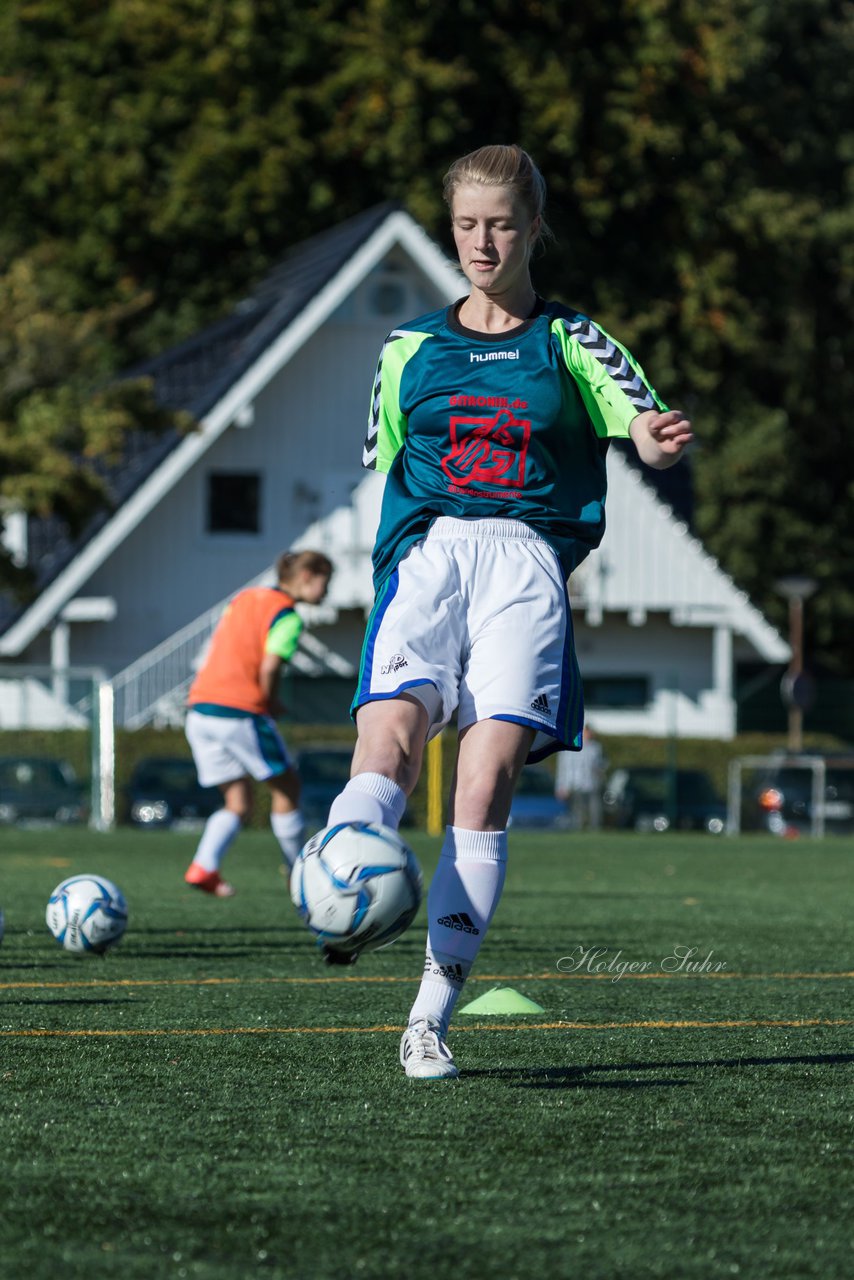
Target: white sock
369, 797
289, 830
220, 829
461, 902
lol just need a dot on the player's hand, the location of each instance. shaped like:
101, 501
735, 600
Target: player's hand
671, 431
660, 438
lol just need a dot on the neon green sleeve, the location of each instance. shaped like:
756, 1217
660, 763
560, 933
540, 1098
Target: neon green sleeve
612, 384
386, 421
284, 634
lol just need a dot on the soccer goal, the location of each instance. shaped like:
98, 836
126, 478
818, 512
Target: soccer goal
755, 779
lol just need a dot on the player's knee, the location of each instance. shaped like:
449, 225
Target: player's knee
391, 740
481, 804
240, 806
392, 760
237, 798
395, 756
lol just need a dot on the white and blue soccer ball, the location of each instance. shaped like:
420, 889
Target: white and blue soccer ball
357, 886
87, 914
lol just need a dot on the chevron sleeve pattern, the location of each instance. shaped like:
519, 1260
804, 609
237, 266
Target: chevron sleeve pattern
386, 422
612, 384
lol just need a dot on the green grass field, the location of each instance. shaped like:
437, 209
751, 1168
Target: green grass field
211, 1101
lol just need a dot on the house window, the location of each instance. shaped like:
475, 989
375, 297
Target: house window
234, 502
616, 692
388, 298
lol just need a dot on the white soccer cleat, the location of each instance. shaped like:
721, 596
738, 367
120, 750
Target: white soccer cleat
424, 1054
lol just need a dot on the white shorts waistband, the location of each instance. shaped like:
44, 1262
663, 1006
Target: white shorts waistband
506, 530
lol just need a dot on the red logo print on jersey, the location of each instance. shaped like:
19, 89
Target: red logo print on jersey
488, 450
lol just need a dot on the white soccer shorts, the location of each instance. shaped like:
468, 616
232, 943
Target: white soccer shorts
228, 747
476, 619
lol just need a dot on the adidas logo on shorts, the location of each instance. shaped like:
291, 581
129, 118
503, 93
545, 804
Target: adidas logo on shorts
541, 704
461, 922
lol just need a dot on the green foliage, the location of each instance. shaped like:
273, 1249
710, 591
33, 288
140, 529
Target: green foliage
157, 158
59, 431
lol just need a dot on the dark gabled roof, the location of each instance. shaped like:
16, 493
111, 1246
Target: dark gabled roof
197, 373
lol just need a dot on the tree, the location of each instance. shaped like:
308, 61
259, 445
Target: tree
58, 434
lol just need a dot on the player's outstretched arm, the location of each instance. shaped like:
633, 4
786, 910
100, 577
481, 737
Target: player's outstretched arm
660, 438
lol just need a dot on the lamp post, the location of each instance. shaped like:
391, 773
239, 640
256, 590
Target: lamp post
796, 687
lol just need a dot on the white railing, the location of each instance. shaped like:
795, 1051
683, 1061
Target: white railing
150, 688
153, 689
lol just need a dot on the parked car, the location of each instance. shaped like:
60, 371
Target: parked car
654, 798
164, 791
780, 798
535, 803
325, 771
39, 789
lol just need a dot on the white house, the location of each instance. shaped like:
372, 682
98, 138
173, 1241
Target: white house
280, 390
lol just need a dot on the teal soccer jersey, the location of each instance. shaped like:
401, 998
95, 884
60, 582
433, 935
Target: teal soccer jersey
512, 425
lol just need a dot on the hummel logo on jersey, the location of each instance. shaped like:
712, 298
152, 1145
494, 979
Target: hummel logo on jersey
541, 704
461, 922
479, 357
394, 664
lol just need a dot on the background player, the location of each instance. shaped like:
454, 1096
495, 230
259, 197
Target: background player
579, 779
491, 418
232, 703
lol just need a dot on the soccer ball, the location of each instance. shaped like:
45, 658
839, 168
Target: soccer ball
357, 886
87, 914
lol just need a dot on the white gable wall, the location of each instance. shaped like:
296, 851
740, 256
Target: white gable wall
678, 665
649, 561
305, 441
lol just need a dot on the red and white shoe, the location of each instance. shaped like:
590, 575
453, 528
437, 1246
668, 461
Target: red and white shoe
208, 881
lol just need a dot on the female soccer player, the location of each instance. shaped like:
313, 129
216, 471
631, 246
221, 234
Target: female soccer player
232, 702
491, 418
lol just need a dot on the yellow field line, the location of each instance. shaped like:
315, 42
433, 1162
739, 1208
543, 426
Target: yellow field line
655, 1025
486, 977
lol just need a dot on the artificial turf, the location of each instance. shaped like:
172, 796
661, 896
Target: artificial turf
211, 1101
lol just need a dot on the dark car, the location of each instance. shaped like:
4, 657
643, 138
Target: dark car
324, 772
655, 798
164, 791
535, 803
39, 789
782, 797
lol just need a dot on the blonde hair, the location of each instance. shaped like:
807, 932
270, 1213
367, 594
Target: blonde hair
291, 563
500, 166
